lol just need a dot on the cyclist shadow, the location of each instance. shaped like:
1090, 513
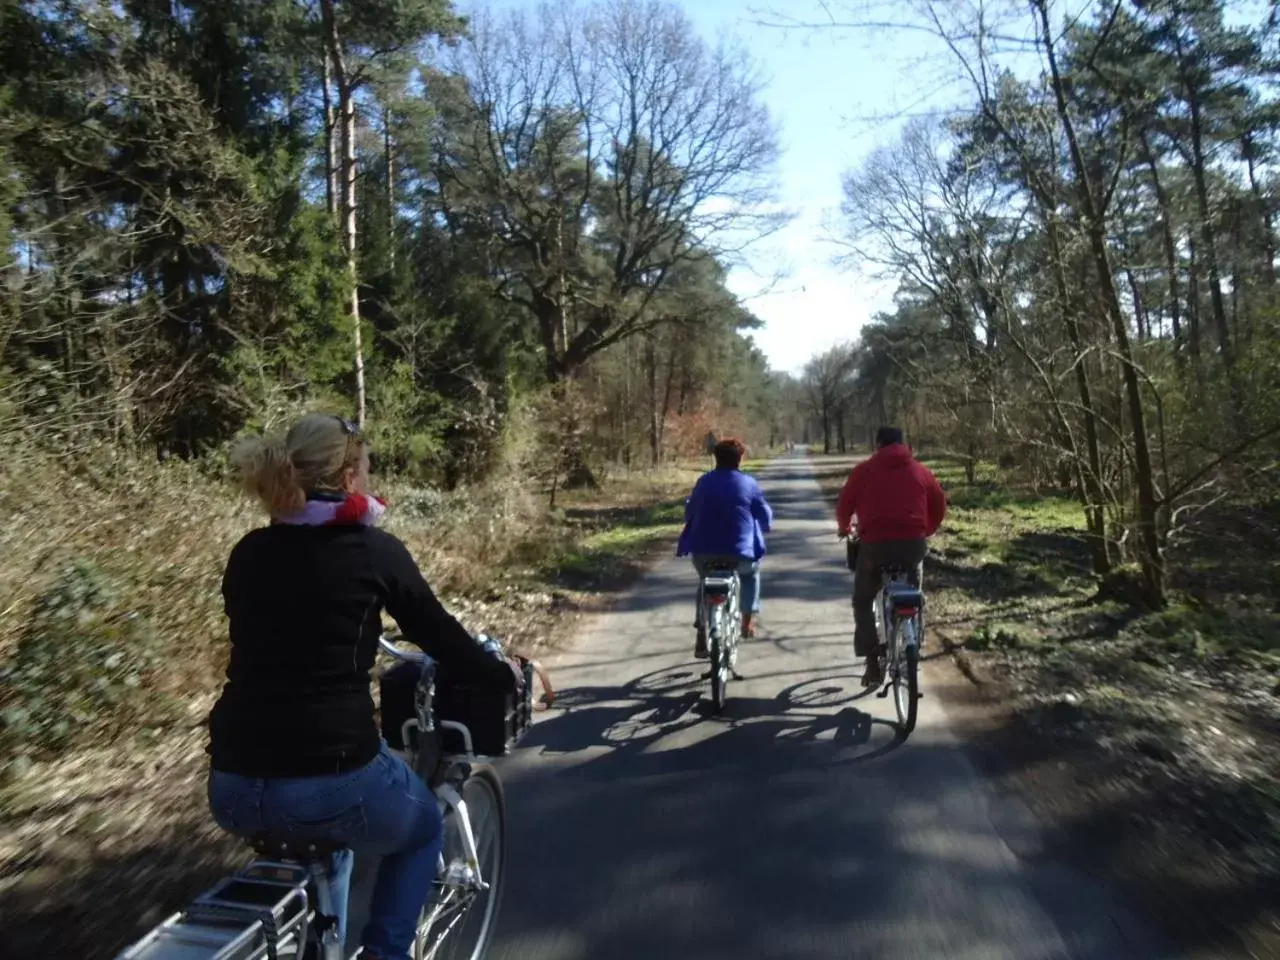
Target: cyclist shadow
669, 709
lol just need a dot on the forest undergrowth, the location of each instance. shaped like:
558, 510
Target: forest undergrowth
1147, 743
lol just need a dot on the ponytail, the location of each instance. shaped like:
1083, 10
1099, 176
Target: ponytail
280, 469
268, 473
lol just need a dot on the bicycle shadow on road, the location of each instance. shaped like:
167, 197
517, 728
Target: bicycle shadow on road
663, 722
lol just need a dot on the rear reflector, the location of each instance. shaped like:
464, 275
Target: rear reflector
715, 598
905, 611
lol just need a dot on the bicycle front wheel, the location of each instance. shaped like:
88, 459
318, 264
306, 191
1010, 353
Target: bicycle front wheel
905, 676
457, 923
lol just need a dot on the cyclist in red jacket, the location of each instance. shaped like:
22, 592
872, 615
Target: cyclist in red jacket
898, 504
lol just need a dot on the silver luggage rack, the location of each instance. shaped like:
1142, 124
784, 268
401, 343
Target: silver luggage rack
260, 913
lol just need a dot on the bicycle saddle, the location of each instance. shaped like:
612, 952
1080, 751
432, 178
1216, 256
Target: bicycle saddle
297, 851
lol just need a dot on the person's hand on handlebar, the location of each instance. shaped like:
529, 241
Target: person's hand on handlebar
548, 692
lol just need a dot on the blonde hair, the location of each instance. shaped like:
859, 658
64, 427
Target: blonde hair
279, 469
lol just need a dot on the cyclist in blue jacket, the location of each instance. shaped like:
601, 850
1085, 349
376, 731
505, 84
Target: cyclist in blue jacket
726, 518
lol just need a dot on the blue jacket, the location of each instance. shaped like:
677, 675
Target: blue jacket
726, 515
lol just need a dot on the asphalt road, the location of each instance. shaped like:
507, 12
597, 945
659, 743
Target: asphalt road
794, 825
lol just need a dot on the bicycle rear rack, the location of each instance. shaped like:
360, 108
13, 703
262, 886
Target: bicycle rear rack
259, 913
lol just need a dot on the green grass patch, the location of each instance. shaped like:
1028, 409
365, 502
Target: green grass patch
1019, 538
1015, 552
607, 554
1192, 631
1001, 636
951, 473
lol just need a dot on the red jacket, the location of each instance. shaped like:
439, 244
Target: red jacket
894, 497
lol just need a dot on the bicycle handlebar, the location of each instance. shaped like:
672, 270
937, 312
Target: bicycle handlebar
407, 656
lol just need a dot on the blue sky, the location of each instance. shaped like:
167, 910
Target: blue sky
824, 88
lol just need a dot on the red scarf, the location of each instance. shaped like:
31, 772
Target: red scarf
354, 508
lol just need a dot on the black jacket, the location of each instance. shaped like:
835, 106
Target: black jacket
305, 605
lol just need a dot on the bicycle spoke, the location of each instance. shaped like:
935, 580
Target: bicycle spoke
480, 815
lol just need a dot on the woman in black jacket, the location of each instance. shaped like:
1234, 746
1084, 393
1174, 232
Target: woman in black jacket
294, 746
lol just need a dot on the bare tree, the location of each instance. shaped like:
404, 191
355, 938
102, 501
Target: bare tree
826, 381
608, 148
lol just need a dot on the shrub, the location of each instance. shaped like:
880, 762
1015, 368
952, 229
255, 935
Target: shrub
995, 636
80, 669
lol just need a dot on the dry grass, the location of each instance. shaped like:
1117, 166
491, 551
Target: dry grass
117, 564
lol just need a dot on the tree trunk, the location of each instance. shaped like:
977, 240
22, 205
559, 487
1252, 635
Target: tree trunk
666, 396
1193, 302
389, 162
347, 111
1210, 252
551, 312
330, 122
1264, 211
1170, 248
1139, 314
626, 403
651, 379
1236, 279
1148, 507
1089, 473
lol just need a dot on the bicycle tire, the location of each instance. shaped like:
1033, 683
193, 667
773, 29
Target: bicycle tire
719, 678
466, 941
735, 631
905, 682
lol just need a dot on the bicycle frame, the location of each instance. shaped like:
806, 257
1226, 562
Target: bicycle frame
719, 595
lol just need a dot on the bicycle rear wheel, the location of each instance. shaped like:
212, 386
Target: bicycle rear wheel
718, 679
722, 643
905, 676
458, 924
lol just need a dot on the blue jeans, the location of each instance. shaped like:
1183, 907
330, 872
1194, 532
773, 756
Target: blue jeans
748, 577
381, 809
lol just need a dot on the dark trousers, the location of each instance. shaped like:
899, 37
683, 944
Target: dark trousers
866, 584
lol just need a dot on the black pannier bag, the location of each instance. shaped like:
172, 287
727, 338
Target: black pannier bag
496, 720
396, 688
